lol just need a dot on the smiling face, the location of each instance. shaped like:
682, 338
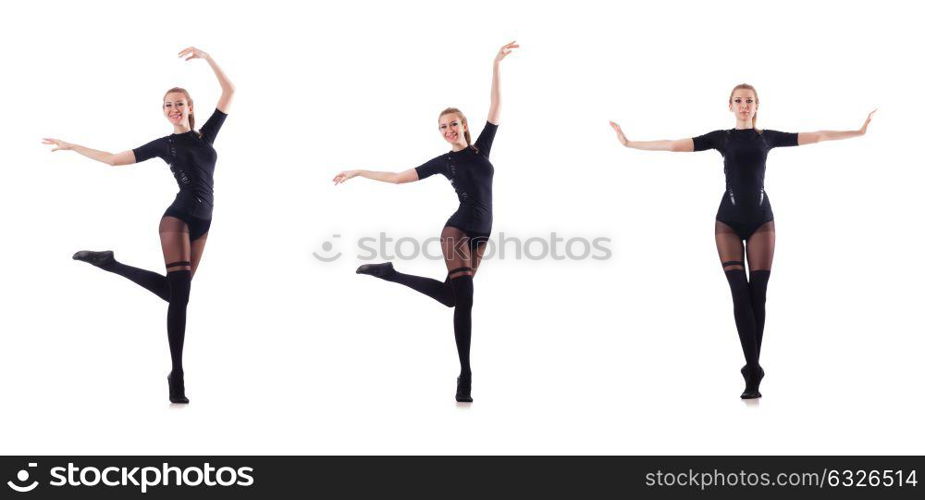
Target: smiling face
177, 108
453, 127
744, 104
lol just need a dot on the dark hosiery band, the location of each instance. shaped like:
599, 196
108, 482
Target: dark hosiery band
179, 263
458, 269
734, 263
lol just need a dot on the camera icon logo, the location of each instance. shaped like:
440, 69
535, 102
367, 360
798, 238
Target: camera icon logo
22, 476
327, 246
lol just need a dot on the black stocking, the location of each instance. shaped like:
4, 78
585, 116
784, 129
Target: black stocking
760, 251
748, 294
461, 263
731, 253
151, 281
437, 290
462, 257
454, 241
462, 320
176, 247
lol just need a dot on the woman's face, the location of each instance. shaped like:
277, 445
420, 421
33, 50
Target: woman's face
177, 109
744, 104
452, 129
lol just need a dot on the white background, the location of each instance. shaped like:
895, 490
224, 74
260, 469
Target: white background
634, 355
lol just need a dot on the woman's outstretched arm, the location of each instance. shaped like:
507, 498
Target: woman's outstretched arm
227, 87
123, 158
833, 135
409, 175
680, 145
494, 111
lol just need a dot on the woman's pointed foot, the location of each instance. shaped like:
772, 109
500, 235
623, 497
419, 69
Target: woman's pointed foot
464, 388
177, 388
752, 378
377, 270
102, 259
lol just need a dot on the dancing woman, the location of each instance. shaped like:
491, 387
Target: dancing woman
184, 227
745, 212
466, 233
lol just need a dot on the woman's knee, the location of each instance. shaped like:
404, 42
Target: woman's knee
180, 283
463, 290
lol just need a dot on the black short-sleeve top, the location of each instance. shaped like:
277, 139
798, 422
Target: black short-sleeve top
192, 160
745, 154
470, 173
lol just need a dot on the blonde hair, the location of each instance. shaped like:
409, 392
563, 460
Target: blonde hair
745, 86
189, 101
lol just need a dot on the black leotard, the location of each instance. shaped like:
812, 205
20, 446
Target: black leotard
470, 173
192, 160
745, 206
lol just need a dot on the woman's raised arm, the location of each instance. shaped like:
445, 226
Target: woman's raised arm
227, 87
494, 111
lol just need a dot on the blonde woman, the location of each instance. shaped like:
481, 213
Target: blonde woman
184, 227
466, 233
745, 212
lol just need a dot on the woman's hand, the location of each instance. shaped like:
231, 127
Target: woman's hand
58, 144
346, 174
505, 50
224, 101
620, 136
867, 122
193, 53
